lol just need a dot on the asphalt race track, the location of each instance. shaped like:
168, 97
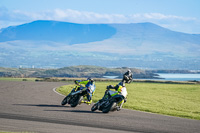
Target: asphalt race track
35, 107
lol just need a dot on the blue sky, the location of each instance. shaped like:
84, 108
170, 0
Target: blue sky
177, 15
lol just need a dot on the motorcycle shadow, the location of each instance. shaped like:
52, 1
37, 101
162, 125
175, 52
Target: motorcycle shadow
41, 105
76, 111
57, 106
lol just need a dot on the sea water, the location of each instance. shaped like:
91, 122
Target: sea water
179, 76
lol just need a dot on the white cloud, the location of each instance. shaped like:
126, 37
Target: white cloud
159, 16
177, 23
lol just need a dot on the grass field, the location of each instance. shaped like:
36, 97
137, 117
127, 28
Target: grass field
14, 132
180, 100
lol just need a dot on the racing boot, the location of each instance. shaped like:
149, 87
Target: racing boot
82, 101
88, 102
125, 99
118, 108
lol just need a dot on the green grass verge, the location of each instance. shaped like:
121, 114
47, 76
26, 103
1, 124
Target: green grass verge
14, 132
180, 100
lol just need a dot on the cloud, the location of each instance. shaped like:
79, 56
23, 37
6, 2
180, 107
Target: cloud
177, 23
159, 16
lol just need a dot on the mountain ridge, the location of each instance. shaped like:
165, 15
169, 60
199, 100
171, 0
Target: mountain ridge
56, 31
58, 44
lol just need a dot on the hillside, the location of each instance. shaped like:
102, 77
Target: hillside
73, 72
53, 44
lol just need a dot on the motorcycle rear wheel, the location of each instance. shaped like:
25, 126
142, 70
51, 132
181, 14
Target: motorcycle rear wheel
109, 107
75, 101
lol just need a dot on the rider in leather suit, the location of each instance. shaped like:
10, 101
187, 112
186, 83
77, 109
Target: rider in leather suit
90, 88
120, 87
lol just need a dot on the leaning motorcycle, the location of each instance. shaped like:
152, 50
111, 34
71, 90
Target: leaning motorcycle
75, 96
110, 102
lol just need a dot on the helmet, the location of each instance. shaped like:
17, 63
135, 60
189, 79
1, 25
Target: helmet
127, 77
90, 79
129, 71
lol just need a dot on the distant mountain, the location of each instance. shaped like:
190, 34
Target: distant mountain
149, 32
69, 33
58, 44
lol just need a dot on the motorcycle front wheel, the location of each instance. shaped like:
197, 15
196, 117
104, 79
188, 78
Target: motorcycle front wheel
94, 107
65, 100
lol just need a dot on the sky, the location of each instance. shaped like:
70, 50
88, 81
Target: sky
176, 15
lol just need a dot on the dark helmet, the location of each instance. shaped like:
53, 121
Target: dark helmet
90, 79
127, 77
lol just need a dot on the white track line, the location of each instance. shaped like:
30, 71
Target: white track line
54, 89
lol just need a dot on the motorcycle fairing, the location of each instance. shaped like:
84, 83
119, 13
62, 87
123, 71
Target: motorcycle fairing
112, 93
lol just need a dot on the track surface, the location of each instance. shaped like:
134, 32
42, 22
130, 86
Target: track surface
35, 107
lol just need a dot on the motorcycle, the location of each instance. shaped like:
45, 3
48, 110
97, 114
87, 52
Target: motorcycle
75, 96
110, 102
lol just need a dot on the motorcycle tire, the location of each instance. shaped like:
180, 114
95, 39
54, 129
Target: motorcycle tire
65, 101
94, 107
113, 107
80, 99
75, 101
109, 107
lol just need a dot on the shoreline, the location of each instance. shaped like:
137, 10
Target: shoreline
65, 79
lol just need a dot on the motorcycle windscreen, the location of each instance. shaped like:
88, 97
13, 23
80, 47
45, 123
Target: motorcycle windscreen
112, 93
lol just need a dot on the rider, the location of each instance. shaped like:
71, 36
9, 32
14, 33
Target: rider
120, 87
128, 76
90, 88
